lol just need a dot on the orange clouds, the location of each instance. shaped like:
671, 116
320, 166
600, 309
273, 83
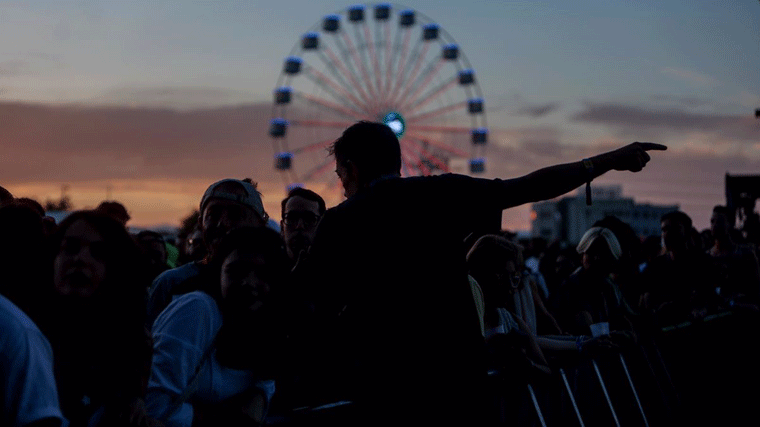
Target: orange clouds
158, 161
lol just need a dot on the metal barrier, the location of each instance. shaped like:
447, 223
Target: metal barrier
693, 373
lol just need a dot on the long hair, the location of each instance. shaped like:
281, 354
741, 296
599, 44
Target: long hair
124, 279
100, 341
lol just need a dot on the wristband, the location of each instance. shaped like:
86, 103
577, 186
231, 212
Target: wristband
579, 343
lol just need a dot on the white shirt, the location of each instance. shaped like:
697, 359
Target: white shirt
26, 370
181, 335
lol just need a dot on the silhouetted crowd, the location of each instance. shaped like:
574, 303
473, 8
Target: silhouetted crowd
405, 305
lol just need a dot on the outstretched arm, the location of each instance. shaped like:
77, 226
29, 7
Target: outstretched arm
557, 180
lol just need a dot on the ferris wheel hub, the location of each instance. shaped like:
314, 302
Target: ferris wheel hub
396, 122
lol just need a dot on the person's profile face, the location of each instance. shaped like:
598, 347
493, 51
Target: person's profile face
347, 178
245, 281
80, 265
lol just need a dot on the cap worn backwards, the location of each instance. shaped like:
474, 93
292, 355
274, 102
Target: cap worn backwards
252, 198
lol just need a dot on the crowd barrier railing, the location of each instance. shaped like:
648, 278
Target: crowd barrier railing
700, 372
691, 373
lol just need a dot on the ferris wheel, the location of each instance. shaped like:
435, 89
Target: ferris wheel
383, 63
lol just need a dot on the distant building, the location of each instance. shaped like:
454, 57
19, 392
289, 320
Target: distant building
568, 218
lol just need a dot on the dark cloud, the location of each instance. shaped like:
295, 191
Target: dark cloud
637, 119
537, 111
687, 101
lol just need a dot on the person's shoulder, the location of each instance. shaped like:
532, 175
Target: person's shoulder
189, 310
13, 318
196, 300
180, 273
165, 282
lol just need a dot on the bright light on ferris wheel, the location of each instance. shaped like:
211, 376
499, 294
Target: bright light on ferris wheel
394, 121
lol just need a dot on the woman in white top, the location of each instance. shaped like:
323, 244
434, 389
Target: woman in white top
213, 347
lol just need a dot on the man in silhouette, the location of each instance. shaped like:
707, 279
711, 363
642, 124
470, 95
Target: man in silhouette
394, 300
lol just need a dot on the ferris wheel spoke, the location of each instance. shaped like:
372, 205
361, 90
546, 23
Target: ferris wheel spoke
344, 54
331, 87
431, 114
388, 57
415, 71
364, 39
378, 45
345, 111
438, 144
414, 105
373, 56
340, 72
355, 55
318, 170
430, 71
402, 59
413, 159
444, 129
434, 159
405, 71
321, 124
312, 147
362, 54
350, 75
406, 162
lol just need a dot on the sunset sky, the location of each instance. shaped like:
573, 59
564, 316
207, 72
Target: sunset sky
151, 101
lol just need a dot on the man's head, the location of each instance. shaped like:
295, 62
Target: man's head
153, 246
364, 152
675, 227
229, 204
115, 210
497, 264
5, 196
721, 222
301, 211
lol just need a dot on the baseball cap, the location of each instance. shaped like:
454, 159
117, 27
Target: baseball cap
251, 198
594, 233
